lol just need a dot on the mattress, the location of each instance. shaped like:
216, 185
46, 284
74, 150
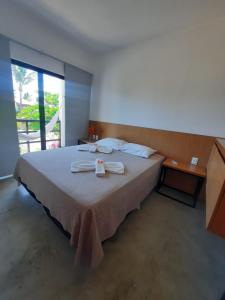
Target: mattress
90, 208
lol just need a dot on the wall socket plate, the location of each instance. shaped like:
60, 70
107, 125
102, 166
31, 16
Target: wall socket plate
194, 161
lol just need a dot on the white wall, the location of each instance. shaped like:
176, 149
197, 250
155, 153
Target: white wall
174, 82
22, 26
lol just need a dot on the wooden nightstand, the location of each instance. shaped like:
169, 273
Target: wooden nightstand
84, 141
192, 170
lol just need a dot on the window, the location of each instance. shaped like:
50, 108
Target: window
39, 97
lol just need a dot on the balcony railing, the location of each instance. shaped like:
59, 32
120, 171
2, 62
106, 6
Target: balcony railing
54, 140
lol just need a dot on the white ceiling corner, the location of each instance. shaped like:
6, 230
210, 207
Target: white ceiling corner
104, 25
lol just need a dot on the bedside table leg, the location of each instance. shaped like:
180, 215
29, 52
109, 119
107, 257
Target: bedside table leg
197, 190
161, 178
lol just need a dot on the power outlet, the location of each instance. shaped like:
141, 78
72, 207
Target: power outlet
194, 161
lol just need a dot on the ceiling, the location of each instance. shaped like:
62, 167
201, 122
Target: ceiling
104, 25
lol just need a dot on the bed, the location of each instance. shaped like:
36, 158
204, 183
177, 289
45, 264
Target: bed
89, 208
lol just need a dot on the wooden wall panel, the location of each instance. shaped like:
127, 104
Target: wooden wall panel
177, 145
215, 191
220, 143
218, 224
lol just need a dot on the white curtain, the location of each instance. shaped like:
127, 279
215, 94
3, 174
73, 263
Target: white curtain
9, 149
77, 103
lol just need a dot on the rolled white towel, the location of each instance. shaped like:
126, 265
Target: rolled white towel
104, 149
87, 165
82, 166
87, 147
94, 148
114, 167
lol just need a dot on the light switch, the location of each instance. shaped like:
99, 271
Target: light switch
194, 161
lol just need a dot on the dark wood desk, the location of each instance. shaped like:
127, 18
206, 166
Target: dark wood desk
84, 141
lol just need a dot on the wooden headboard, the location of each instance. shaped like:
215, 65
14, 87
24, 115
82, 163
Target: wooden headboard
177, 145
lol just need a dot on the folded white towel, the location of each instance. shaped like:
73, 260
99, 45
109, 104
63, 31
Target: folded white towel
104, 149
87, 165
82, 166
114, 167
86, 147
94, 148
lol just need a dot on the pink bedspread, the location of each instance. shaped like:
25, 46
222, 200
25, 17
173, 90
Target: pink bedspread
89, 208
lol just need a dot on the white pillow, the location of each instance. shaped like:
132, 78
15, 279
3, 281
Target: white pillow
136, 149
111, 143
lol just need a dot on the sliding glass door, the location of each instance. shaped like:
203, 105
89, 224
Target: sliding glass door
38, 98
53, 105
25, 86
